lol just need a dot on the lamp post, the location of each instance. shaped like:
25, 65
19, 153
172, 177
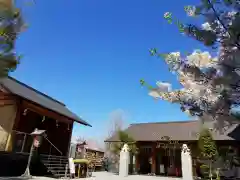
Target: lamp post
37, 137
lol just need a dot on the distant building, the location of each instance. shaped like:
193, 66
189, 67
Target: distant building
160, 144
89, 150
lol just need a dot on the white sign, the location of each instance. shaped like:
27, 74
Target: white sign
162, 169
36, 142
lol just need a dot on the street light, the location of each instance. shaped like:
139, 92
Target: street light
37, 138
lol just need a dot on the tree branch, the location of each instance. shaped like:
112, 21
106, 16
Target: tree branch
220, 21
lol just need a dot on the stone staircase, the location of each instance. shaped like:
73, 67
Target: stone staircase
57, 166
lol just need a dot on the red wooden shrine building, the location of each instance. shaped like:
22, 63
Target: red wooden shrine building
22, 109
159, 144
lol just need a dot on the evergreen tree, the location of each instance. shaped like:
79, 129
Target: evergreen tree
116, 147
208, 150
207, 145
124, 138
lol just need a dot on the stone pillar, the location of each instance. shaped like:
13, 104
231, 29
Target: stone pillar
186, 158
153, 165
124, 161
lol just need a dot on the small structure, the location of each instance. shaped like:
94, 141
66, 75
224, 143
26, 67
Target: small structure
81, 168
81, 150
186, 158
90, 151
124, 161
37, 139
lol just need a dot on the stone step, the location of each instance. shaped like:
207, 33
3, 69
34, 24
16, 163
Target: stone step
56, 165
54, 158
54, 162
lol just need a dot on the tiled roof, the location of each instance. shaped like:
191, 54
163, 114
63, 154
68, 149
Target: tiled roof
179, 130
93, 145
24, 91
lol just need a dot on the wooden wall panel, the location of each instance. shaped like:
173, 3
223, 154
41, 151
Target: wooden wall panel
44, 112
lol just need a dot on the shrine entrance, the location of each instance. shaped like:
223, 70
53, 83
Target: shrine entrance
168, 160
145, 160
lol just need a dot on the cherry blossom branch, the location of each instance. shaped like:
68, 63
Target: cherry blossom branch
220, 21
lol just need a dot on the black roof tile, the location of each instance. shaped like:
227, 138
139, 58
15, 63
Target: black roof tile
178, 130
22, 90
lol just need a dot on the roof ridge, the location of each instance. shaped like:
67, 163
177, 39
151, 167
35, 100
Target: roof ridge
37, 91
165, 122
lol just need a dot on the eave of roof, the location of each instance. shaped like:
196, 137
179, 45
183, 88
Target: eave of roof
177, 130
95, 149
26, 92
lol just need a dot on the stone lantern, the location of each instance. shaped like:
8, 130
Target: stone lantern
37, 139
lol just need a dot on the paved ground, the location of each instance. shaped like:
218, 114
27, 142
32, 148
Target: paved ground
110, 176
105, 176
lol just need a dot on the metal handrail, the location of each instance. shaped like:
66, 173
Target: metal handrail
53, 145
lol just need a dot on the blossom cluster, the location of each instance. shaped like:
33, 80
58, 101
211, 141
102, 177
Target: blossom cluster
191, 80
210, 85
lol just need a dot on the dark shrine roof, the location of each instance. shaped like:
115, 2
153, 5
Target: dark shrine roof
178, 131
26, 92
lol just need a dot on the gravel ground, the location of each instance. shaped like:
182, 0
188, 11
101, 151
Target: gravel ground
104, 176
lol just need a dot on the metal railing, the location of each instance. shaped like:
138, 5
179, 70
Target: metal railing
52, 145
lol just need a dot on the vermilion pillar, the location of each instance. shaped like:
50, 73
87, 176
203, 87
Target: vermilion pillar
153, 166
137, 163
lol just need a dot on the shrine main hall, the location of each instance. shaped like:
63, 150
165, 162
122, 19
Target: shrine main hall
159, 144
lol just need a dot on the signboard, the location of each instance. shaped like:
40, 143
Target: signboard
150, 160
36, 142
162, 169
168, 144
79, 149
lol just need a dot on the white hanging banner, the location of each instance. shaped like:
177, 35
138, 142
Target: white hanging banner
162, 169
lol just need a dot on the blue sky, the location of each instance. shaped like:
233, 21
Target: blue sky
91, 54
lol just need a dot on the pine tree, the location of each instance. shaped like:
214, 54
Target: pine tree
208, 150
116, 147
124, 138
